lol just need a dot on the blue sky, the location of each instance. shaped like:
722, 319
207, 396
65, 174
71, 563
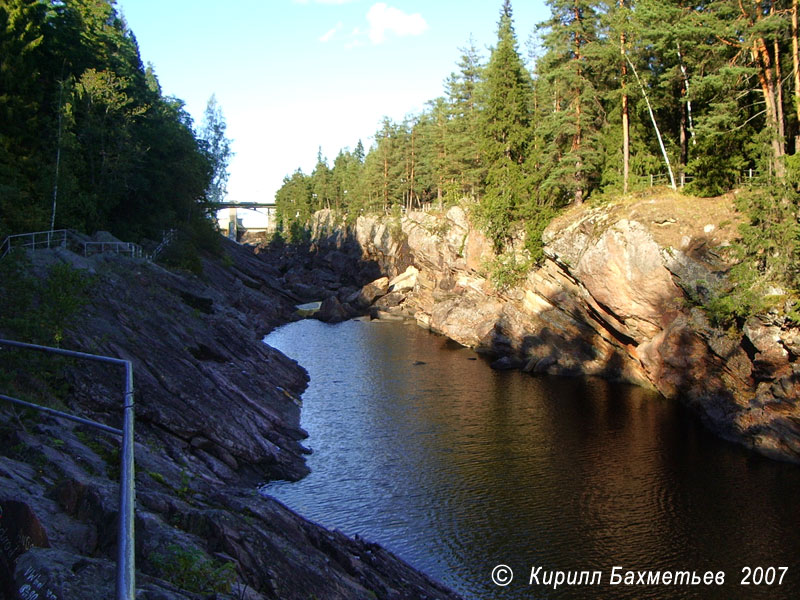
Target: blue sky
293, 75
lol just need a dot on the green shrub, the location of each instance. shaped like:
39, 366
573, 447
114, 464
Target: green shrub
189, 569
766, 276
505, 272
191, 240
535, 224
37, 310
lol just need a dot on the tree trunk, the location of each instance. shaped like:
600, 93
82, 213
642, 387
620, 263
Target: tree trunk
779, 94
413, 168
778, 88
576, 147
763, 61
385, 182
626, 129
796, 70
577, 140
683, 138
58, 151
688, 97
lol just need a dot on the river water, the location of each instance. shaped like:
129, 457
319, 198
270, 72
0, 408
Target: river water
420, 446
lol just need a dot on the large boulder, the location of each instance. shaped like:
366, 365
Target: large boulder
406, 281
372, 291
766, 338
469, 319
333, 311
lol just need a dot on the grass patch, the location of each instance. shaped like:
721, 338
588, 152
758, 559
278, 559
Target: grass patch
37, 310
106, 450
189, 569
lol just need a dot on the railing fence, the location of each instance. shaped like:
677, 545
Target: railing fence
126, 565
67, 238
749, 177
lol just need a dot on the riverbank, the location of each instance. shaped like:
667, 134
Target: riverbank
217, 412
616, 296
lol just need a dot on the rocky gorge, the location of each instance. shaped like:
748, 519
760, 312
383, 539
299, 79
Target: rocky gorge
618, 295
217, 414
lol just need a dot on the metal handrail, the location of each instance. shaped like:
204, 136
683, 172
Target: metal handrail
59, 237
135, 250
62, 415
166, 240
126, 565
54, 237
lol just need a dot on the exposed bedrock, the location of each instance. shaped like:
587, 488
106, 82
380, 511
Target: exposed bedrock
217, 412
615, 297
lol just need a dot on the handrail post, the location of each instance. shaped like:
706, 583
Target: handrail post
126, 546
126, 577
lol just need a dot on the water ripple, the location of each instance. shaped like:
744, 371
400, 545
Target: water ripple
457, 468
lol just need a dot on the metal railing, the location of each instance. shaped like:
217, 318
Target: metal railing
166, 240
126, 565
37, 239
63, 238
129, 248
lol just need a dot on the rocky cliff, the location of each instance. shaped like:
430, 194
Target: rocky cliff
217, 412
616, 296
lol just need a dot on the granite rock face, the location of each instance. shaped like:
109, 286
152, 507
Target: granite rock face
615, 297
217, 413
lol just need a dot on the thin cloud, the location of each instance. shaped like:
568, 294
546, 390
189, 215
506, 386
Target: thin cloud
328, 35
323, 1
356, 39
384, 19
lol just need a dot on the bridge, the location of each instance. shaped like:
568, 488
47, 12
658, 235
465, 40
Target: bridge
233, 225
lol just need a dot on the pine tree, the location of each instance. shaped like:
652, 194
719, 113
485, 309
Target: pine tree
434, 130
322, 183
462, 157
343, 178
753, 32
575, 120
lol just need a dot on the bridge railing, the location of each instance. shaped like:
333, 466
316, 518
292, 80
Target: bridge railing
126, 565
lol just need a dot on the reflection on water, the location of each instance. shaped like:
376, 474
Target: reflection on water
455, 467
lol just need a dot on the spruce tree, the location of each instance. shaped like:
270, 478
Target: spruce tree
506, 133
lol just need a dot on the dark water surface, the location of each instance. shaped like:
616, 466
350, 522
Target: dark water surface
458, 468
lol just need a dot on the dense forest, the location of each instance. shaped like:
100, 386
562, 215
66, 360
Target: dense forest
612, 95
87, 139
